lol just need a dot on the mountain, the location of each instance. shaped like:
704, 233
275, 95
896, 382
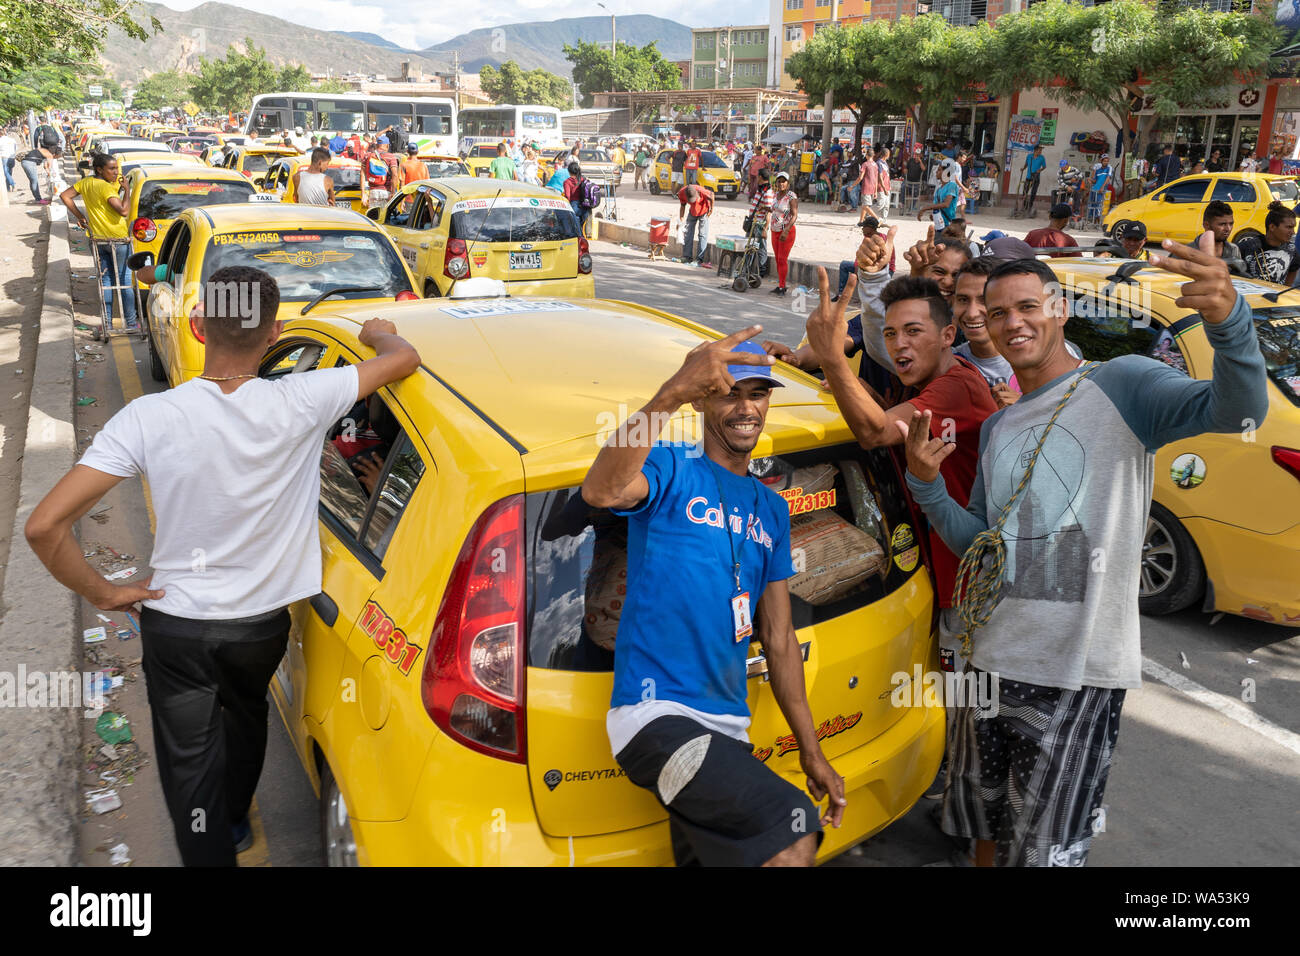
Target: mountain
373, 38
541, 44
211, 27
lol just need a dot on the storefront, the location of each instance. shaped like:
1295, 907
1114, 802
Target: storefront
973, 124
1229, 122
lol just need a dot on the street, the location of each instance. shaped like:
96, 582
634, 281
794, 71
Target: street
1208, 759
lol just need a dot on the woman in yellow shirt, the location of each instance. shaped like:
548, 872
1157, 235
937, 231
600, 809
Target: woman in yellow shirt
106, 215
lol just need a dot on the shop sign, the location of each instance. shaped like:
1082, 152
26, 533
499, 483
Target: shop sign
1024, 132
1047, 137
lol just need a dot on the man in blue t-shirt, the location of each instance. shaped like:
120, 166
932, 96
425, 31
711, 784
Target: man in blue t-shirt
708, 557
338, 144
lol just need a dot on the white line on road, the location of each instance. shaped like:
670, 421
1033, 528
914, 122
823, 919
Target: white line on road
1232, 709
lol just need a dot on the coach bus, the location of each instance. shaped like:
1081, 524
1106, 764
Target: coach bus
525, 124
428, 120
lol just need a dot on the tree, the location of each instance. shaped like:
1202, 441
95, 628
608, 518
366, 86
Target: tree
332, 85
49, 84
844, 61
1101, 53
54, 32
637, 68
512, 85
294, 77
161, 90
231, 83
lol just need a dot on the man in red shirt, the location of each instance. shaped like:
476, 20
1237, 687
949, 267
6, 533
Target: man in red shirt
692, 164
699, 201
918, 334
1054, 234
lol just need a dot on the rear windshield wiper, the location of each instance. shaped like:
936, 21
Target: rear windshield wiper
335, 291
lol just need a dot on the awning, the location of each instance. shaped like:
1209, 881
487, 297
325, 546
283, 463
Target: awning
785, 137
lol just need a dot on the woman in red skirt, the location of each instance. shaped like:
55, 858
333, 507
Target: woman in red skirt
785, 210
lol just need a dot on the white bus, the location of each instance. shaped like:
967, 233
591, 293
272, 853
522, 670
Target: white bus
527, 124
428, 120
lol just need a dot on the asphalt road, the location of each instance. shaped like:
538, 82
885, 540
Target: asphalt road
1200, 777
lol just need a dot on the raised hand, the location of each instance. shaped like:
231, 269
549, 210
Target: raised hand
924, 254
827, 327
704, 371
924, 454
875, 251
1209, 289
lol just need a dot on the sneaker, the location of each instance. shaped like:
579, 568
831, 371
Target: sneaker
42, 202
242, 835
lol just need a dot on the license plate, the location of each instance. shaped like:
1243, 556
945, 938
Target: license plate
343, 203
525, 260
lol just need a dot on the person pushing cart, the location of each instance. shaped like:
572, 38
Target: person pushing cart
105, 223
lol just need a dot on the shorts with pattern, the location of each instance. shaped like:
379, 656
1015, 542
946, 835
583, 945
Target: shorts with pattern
724, 807
1032, 773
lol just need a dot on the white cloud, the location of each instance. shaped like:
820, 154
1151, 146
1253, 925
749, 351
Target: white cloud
416, 24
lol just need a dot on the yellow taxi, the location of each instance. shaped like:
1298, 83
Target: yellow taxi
127, 163
459, 228
308, 250
1224, 528
446, 691
351, 188
253, 161
714, 173
479, 159
440, 166
1175, 211
81, 140
160, 134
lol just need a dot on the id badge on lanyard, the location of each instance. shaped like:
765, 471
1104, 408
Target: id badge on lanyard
741, 616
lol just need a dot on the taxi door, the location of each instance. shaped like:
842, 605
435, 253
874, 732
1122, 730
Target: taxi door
410, 219
166, 300
1242, 196
1175, 211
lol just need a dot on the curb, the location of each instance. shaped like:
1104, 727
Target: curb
802, 272
39, 746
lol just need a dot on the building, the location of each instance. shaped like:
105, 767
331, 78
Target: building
729, 57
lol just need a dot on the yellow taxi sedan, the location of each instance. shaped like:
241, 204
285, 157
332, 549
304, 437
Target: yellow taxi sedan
1175, 211
314, 253
1224, 528
351, 188
714, 174
253, 161
440, 166
479, 159
459, 228
446, 691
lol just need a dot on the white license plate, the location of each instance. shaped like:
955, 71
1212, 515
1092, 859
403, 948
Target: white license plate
525, 260
343, 203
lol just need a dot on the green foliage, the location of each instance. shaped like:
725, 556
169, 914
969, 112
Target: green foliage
55, 85
229, 84
161, 90
512, 85
37, 32
595, 70
330, 85
293, 78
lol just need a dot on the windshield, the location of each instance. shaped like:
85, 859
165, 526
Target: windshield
138, 146
1284, 189
711, 161
483, 150
167, 200
348, 177
305, 264
540, 120
516, 220
1279, 340
593, 156
258, 162
438, 168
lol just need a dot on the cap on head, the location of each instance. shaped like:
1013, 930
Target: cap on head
412, 148
783, 175
1134, 230
741, 372
1008, 247
1061, 210
383, 140
1064, 163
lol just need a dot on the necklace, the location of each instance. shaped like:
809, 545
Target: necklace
226, 378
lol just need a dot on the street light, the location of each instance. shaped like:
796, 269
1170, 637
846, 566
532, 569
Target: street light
613, 40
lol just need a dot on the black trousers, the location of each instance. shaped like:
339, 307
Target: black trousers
207, 695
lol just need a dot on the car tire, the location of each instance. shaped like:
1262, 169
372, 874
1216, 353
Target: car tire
338, 845
156, 370
1119, 225
1247, 234
431, 290
1172, 572
654, 188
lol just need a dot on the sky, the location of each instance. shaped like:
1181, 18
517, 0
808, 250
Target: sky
416, 24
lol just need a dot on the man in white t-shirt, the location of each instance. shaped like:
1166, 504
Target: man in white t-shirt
233, 466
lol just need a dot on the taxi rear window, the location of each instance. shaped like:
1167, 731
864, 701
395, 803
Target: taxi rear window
258, 162
348, 177
515, 223
851, 538
1278, 331
305, 263
167, 200
438, 168
1284, 189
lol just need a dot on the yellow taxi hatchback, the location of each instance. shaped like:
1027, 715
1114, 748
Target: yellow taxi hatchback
479, 159
459, 228
1175, 211
351, 188
714, 173
447, 689
439, 166
254, 161
312, 252
1224, 528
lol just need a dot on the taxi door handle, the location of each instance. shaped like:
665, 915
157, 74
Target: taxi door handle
325, 608
424, 245
757, 666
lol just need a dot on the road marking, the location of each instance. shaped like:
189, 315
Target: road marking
128, 379
1232, 709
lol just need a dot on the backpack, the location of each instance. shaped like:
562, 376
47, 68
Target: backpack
377, 172
590, 194
48, 137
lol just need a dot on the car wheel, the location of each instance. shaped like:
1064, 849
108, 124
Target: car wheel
654, 188
338, 845
156, 370
431, 290
1172, 573
1247, 234
1118, 227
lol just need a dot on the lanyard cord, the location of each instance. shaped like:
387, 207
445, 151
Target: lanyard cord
726, 525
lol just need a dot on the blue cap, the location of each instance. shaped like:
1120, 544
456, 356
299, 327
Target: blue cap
384, 140
993, 234
739, 372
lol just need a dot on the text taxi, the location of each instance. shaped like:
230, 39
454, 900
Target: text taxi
312, 252
447, 689
1224, 528
459, 228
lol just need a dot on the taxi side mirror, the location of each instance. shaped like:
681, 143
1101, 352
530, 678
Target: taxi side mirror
1166, 197
84, 165
139, 260
374, 213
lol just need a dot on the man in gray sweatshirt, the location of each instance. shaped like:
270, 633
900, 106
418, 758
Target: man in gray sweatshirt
1026, 778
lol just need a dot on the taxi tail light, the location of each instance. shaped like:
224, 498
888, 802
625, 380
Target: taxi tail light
584, 256
472, 684
1288, 458
406, 295
144, 229
455, 265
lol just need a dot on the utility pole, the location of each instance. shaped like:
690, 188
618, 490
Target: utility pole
455, 77
830, 92
613, 37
